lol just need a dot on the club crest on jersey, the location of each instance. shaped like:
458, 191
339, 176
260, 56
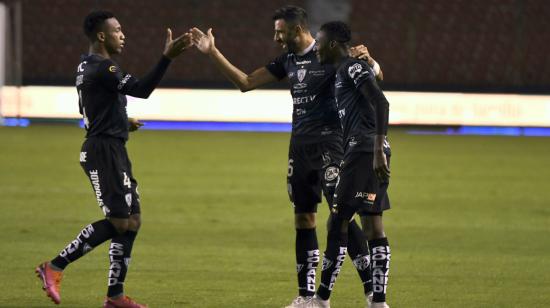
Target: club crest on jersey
128, 198
354, 69
112, 68
301, 74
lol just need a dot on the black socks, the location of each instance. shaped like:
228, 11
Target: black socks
380, 262
307, 259
91, 236
119, 258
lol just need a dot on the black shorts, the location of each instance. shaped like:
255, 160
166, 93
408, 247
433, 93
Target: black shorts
105, 161
312, 168
358, 189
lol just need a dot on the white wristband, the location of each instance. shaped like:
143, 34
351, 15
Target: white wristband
376, 68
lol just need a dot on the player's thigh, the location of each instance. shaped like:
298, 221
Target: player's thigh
103, 163
303, 182
357, 184
331, 154
135, 202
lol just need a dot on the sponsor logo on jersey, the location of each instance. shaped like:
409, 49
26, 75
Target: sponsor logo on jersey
290, 74
299, 86
303, 62
112, 68
83, 157
301, 73
303, 99
354, 69
124, 81
317, 73
300, 111
299, 267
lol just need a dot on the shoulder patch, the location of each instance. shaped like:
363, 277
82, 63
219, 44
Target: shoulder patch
354, 69
112, 69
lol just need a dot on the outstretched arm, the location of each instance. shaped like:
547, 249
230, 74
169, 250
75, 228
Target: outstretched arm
245, 82
362, 52
114, 79
144, 87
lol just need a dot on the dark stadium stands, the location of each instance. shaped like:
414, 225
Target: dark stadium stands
491, 45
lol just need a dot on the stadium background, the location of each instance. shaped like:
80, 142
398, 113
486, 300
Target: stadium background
493, 45
470, 220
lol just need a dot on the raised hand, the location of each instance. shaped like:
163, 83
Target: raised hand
174, 48
204, 42
361, 52
380, 162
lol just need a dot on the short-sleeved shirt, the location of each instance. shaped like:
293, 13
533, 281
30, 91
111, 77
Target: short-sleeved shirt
101, 86
314, 116
357, 115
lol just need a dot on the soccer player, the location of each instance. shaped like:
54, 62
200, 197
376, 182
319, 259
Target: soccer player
102, 86
315, 148
364, 175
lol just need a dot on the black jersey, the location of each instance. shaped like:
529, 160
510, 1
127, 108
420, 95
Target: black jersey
314, 115
100, 84
102, 87
357, 115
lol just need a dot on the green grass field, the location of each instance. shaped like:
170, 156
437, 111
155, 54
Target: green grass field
470, 224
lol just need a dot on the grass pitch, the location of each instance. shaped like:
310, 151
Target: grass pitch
469, 226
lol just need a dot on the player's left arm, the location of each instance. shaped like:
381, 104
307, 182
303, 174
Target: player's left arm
115, 79
373, 94
361, 52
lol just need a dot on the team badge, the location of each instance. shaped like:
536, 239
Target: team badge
129, 199
362, 262
301, 74
331, 173
112, 68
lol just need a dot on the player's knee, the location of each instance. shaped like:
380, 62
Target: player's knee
337, 226
120, 224
134, 223
304, 220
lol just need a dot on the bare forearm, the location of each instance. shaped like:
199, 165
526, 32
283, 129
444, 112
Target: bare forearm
235, 75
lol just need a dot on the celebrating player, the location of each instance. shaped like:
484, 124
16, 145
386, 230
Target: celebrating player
102, 87
316, 141
364, 176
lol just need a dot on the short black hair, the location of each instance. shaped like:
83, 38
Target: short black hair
292, 14
337, 31
93, 23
